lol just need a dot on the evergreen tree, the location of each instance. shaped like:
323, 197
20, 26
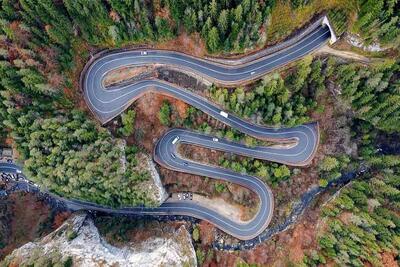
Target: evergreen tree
213, 41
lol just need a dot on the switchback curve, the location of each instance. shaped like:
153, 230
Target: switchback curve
107, 103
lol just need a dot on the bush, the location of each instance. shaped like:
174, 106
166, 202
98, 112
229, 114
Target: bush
323, 182
165, 113
71, 235
328, 164
68, 262
200, 255
196, 234
128, 123
220, 188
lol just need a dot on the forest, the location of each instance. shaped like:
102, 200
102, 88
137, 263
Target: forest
58, 142
362, 222
63, 150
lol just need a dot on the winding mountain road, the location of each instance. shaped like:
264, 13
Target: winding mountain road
107, 103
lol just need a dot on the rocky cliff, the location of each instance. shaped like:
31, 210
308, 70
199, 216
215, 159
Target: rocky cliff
78, 243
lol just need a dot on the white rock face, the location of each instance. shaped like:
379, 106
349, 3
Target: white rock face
156, 188
88, 248
356, 41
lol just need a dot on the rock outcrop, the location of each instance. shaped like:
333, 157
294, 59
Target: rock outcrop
154, 187
78, 243
357, 41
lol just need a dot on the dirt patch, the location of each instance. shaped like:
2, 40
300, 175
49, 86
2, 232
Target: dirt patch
148, 128
345, 217
189, 44
176, 182
343, 45
343, 54
233, 212
389, 259
207, 232
237, 194
200, 154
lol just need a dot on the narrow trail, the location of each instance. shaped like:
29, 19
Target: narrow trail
343, 54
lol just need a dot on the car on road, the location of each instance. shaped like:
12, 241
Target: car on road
209, 71
175, 140
185, 196
215, 139
223, 114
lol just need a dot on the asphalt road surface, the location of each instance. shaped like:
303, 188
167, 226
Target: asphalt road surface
9, 168
107, 103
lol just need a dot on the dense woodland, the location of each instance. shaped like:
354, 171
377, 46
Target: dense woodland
374, 92
63, 150
362, 222
223, 25
379, 20
277, 101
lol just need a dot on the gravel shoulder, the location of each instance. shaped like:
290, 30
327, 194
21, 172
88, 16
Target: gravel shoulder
344, 54
231, 211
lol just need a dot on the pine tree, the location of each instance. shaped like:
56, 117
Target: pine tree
213, 40
223, 22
